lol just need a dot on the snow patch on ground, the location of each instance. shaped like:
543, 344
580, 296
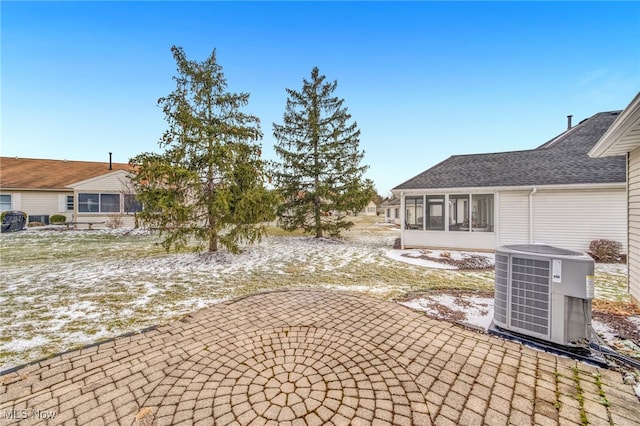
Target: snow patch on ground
416, 257
412, 257
478, 311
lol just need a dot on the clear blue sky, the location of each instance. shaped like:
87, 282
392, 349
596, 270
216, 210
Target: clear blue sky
423, 80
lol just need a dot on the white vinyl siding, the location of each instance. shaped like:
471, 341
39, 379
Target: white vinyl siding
513, 210
16, 201
62, 203
634, 224
572, 219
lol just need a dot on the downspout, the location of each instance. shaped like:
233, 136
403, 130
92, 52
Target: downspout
402, 220
626, 184
533, 191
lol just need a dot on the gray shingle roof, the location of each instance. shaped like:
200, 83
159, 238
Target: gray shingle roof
561, 161
392, 202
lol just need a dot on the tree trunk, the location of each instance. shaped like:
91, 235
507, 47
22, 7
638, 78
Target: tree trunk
213, 235
213, 243
318, 219
316, 209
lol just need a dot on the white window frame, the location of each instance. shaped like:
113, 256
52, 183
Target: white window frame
100, 208
4, 203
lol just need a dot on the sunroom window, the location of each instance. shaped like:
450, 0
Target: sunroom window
482, 212
414, 212
98, 203
435, 213
131, 204
459, 212
110, 203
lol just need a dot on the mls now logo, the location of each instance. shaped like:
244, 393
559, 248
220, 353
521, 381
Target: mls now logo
13, 414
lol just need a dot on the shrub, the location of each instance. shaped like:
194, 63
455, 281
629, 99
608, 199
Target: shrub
605, 251
114, 221
58, 218
32, 224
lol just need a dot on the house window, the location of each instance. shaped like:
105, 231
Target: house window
41, 218
110, 203
482, 212
5, 202
88, 203
98, 203
459, 212
131, 205
69, 203
435, 213
414, 212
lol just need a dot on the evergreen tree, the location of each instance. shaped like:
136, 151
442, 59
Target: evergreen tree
207, 185
319, 177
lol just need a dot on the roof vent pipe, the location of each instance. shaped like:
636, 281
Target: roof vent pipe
110, 164
569, 121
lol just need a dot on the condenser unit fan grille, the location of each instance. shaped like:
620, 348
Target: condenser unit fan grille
502, 289
530, 295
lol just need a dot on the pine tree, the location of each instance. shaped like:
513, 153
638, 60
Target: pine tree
319, 177
207, 185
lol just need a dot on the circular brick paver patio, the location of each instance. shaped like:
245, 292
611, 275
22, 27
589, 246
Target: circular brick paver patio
305, 357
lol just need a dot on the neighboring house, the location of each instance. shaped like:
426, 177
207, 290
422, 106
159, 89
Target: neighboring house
623, 138
83, 191
554, 194
370, 209
391, 208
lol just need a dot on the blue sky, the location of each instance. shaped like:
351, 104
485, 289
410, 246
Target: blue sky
423, 80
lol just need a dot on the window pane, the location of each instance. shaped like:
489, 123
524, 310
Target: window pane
69, 202
435, 213
459, 212
482, 212
5, 202
131, 205
88, 203
413, 212
110, 203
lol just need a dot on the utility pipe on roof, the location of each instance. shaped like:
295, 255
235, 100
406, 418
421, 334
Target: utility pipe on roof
533, 191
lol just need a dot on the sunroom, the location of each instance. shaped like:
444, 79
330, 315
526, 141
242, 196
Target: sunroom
452, 220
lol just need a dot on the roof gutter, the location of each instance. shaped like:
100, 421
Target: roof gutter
484, 189
622, 126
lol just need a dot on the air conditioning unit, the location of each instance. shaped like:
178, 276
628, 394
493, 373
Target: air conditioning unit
544, 292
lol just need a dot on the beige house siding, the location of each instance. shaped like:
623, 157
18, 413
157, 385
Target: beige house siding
572, 219
513, 210
634, 224
115, 182
37, 203
43, 203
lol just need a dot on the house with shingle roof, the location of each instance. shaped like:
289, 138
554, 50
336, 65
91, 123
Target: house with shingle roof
554, 194
82, 191
391, 208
